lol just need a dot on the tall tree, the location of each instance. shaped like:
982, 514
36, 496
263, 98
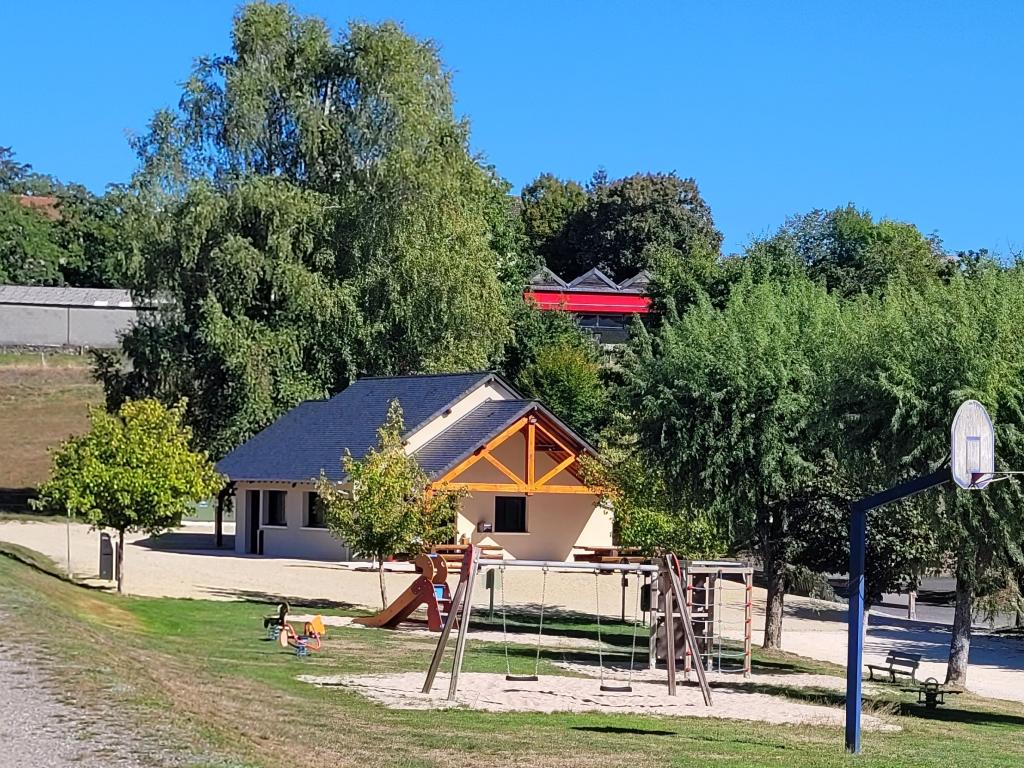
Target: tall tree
626, 221
12, 173
919, 355
850, 252
726, 404
548, 205
29, 250
317, 214
552, 359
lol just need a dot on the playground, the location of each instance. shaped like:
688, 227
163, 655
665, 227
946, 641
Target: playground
206, 670
815, 629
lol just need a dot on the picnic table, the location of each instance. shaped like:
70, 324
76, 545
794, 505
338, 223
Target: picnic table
609, 555
454, 553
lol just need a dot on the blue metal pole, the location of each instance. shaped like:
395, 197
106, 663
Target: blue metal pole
855, 634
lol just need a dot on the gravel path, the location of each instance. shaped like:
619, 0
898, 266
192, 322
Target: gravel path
41, 725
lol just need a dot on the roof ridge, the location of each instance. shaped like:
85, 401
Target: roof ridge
424, 375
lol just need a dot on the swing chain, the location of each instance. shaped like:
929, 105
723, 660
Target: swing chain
540, 627
504, 623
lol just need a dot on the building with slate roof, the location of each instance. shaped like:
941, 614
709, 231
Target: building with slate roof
43, 316
517, 461
602, 307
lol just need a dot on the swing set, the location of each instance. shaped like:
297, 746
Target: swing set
606, 687
462, 605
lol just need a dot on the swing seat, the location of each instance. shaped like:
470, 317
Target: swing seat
617, 688
522, 678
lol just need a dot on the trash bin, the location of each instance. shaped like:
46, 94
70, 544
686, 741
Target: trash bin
106, 557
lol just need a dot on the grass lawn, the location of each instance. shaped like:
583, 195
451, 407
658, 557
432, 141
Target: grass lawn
43, 400
205, 668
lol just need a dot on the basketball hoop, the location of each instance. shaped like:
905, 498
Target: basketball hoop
973, 447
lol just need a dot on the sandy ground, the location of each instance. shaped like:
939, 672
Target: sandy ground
185, 564
491, 692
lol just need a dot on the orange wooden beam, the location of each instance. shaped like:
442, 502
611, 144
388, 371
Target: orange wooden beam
469, 461
559, 443
523, 488
558, 468
531, 450
502, 468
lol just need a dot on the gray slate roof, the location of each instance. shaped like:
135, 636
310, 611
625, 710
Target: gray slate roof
313, 436
592, 281
65, 297
462, 438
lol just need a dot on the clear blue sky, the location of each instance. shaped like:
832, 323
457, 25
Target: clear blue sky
914, 110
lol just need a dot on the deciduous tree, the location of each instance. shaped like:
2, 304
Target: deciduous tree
725, 403
385, 505
135, 470
922, 353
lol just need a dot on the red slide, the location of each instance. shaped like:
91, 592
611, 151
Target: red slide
429, 589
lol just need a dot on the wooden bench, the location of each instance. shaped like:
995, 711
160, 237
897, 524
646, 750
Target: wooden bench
897, 663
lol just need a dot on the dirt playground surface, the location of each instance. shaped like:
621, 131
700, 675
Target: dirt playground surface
493, 693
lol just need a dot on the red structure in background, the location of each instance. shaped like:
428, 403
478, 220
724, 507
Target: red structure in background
603, 307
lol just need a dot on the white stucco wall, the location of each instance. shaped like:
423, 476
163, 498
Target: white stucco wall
294, 539
555, 522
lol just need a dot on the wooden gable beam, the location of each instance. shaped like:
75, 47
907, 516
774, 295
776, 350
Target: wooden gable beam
502, 468
477, 455
564, 464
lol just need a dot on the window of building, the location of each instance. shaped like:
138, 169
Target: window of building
509, 514
275, 508
314, 511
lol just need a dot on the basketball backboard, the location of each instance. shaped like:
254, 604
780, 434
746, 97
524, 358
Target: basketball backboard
972, 446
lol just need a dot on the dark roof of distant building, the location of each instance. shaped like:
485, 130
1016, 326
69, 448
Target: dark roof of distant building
63, 296
592, 281
312, 437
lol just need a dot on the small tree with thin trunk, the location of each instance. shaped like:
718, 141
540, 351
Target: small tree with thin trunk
133, 471
385, 505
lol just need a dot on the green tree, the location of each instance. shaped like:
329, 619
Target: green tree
552, 360
311, 212
566, 377
12, 173
29, 253
644, 511
548, 205
133, 471
850, 252
726, 404
626, 222
918, 355
385, 505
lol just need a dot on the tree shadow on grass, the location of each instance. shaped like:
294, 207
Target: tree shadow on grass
255, 596
624, 731
950, 713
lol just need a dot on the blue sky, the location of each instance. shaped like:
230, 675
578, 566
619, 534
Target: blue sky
913, 110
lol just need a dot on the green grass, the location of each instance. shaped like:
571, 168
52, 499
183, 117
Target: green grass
204, 668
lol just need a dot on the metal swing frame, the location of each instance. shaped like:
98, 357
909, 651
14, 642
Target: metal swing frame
462, 608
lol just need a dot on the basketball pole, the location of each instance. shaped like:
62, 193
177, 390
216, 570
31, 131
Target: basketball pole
855, 632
